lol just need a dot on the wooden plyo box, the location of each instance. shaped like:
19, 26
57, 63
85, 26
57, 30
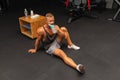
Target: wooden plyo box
29, 26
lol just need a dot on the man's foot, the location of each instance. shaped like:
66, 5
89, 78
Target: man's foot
81, 68
73, 47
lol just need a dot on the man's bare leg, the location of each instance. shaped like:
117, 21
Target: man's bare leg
60, 53
63, 34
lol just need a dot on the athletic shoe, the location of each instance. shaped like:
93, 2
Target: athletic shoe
81, 68
73, 47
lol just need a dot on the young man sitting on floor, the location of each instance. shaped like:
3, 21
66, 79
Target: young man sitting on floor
51, 36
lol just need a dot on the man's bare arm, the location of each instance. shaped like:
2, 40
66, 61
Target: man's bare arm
37, 42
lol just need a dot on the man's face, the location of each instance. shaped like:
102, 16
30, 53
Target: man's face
50, 20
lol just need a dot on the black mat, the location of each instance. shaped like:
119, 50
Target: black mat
99, 40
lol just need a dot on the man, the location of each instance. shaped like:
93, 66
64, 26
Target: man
51, 36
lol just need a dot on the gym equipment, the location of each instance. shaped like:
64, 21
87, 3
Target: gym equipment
4, 4
79, 8
118, 11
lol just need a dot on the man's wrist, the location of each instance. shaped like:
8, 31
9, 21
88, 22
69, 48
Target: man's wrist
35, 49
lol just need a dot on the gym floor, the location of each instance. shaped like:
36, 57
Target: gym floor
99, 40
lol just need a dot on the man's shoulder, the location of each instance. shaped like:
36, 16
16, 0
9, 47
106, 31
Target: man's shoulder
40, 30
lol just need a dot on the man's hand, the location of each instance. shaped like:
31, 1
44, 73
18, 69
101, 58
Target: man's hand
32, 51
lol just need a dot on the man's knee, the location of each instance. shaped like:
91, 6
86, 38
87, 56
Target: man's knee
64, 29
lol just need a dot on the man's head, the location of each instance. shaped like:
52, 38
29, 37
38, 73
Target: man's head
50, 18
